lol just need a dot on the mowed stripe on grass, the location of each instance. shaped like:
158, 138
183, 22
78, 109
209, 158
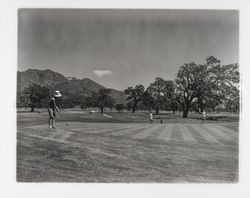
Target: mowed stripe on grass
208, 136
145, 133
227, 131
176, 134
224, 139
155, 134
130, 129
224, 135
196, 135
123, 131
105, 129
190, 133
187, 137
102, 129
166, 133
135, 131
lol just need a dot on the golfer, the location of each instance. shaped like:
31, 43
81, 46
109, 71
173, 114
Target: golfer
53, 108
203, 116
151, 117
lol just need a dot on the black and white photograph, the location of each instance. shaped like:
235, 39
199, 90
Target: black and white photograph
128, 96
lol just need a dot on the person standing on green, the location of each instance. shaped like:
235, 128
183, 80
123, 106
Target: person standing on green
151, 117
52, 109
203, 116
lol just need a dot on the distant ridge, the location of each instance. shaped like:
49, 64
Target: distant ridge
69, 86
46, 78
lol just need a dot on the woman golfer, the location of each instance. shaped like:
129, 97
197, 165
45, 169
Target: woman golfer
53, 108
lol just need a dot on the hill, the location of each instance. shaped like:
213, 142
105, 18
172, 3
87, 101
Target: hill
69, 87
46, 78
119, 96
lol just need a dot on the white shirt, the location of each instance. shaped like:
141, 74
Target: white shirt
151, 116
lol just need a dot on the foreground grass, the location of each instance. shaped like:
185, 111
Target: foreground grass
103, 157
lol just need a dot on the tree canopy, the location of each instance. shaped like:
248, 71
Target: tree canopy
33, 96
162, 91
134, 95
207, 84
100, 99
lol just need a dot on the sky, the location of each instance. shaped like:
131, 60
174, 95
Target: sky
121, 48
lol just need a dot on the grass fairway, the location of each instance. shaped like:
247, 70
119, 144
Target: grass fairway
125, 148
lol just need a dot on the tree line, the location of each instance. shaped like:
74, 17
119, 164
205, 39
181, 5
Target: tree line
195, 88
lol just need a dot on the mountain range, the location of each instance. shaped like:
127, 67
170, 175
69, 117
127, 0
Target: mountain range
70, 86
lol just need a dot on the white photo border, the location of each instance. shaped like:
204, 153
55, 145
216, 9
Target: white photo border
8, 45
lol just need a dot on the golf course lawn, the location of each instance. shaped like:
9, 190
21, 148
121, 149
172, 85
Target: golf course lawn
126, 148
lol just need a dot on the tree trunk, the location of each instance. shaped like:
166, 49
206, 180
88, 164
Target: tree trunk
185, 113
156, 110
133, 110
101, 109
32, 108
134, 107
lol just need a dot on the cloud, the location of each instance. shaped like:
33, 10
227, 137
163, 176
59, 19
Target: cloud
101, 73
